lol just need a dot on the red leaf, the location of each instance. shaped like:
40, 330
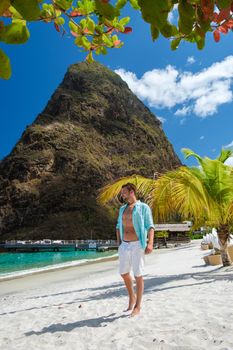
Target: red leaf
127, 30
57, 27
75, 13
223, 14
214, 17
216, 36
223, 29
74, 34
85, 30
116, 43
229, 23
207, 8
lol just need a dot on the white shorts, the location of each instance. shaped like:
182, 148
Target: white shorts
131, 256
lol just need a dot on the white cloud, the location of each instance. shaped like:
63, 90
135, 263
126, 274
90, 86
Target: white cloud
183, 111
183, 121
191, 60
230, 145
229, 161
172, 16
200, 93
202, 137
163, 120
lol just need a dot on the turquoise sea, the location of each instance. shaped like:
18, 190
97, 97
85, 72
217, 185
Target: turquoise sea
16, 264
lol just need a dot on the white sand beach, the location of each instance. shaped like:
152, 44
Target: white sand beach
186, 305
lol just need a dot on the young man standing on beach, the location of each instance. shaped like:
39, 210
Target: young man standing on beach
134, 225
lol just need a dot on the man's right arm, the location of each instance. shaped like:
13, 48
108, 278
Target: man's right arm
118, 237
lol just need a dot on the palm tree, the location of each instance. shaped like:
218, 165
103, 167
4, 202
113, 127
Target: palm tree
203, 194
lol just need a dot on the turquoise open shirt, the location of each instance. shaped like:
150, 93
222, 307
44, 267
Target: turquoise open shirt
142, 221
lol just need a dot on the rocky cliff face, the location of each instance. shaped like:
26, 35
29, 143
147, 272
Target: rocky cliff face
93, 130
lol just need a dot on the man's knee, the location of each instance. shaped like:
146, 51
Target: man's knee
138, 278
125, 275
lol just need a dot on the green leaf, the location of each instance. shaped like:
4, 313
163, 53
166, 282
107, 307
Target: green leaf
86, 43
86, 6
78, 41
107, 40
90, 25
114, 37
64, 4
175, 43
83, 23
59, 21
134, 4
73, 27
103, 50
124, 21
99, 29
121, 3
154, 32
106, 10
168, 30
4, 5
98, 51
200, 43
89, 57
224, 3
194, 2
155, 12
15, 13
205, 25
185, 27
186, 10
186, 17
15, 33
119, 27
200, 39
29, 9
5, 66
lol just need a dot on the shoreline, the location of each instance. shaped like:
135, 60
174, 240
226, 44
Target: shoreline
85, 307
53, 268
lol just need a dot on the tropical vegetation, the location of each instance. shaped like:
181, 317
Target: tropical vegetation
96, 24
202, 194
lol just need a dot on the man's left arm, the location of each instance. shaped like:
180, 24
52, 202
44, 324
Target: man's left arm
150, 231
150, 242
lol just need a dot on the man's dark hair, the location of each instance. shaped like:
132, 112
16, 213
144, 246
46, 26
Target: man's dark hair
130, 187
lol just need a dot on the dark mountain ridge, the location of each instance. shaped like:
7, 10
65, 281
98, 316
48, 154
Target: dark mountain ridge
92, 131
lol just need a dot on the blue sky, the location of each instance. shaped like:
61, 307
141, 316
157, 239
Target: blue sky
188, 89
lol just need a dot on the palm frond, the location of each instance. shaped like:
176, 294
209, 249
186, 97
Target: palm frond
228, 218
224, 155
189, 153
218, 180
203, 194
182, 192
111, 191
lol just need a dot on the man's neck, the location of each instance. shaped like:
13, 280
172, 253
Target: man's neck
132, 201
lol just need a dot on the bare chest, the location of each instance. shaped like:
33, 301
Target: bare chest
127, 215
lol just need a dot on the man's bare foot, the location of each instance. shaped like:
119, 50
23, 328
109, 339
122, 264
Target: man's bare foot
136, 311
132, 302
